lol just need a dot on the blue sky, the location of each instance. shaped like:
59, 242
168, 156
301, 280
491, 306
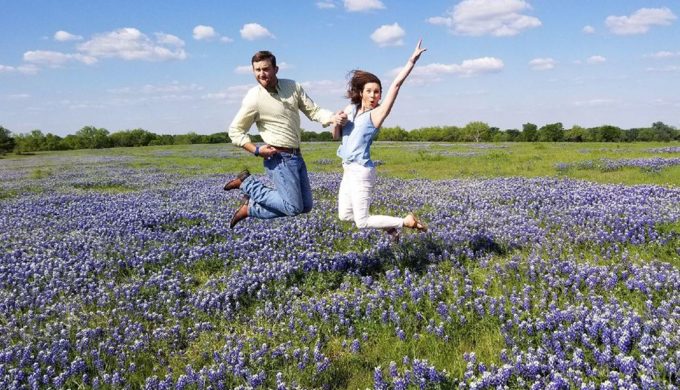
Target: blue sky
172, 66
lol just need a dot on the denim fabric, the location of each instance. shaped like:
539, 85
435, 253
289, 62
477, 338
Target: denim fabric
292, 195
357, 136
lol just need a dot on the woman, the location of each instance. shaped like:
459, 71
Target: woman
365, 116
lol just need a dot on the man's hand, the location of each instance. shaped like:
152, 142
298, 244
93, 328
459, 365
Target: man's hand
267, 151
340, 118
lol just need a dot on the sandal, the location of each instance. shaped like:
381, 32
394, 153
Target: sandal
417, 224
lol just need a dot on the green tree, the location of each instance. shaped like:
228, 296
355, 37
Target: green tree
631, 135
609, 133
575, 134
494, 134
71, 142
163, 139
452, 134
393, 134
53, 142
6, 141
219, 138
31, 142
90, 137
313, 136
553, 132
431, 134
476, 132
529, 132
512, 135
663, 132
136, 137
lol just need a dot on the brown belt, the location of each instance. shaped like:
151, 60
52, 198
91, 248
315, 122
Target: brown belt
287, 150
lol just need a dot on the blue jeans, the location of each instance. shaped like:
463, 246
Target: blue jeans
292, 195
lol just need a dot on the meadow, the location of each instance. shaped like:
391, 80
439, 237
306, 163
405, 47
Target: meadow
546, 266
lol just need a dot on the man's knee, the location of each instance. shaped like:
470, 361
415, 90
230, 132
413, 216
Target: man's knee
307, 207
292, 209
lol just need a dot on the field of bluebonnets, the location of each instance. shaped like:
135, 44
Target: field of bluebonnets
547, 266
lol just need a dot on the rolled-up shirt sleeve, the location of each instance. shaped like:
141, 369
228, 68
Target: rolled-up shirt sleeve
244, 119
312, 110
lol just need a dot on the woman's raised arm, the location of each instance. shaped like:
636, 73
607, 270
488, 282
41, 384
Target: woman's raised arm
381, 112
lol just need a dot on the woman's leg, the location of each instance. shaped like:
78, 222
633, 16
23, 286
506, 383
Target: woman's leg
361, 194
345, 212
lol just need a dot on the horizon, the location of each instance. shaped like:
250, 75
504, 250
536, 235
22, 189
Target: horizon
178, 68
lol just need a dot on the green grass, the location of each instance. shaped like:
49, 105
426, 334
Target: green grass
480, 333
410, 160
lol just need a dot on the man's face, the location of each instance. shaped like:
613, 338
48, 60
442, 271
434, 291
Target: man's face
265, 73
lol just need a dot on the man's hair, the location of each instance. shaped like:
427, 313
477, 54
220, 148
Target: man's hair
359, 78
262, 56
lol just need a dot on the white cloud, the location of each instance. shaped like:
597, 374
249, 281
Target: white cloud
542, 63
640, 21
208, 33
55, 58
664, 54
7, 69
63, 36
588, 30
202, 32
363, 5
468, 68
253, 31
168, 39
596, 60
28, 69
325, 4
158, 89
17, 96
665, 69
389, 35
487, 17
232, 94
324, 87
244, 69
131, 44
440, 21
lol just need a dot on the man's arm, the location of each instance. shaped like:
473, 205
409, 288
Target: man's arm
316, 113
337, 129
244, 119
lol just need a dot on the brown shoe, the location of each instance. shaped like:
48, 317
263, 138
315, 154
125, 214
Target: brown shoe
394, 234
241, 212
236, 183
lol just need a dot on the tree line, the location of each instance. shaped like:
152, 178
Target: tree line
553, 132
90, 137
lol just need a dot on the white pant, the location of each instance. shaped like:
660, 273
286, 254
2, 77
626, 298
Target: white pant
354, 199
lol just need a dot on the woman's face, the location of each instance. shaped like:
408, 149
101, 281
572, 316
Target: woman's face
370, 95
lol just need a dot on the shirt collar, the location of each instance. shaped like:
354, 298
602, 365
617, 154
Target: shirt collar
277, 89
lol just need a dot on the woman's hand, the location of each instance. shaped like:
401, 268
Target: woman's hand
417, 52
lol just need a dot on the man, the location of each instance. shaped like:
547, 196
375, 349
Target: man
274, 107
